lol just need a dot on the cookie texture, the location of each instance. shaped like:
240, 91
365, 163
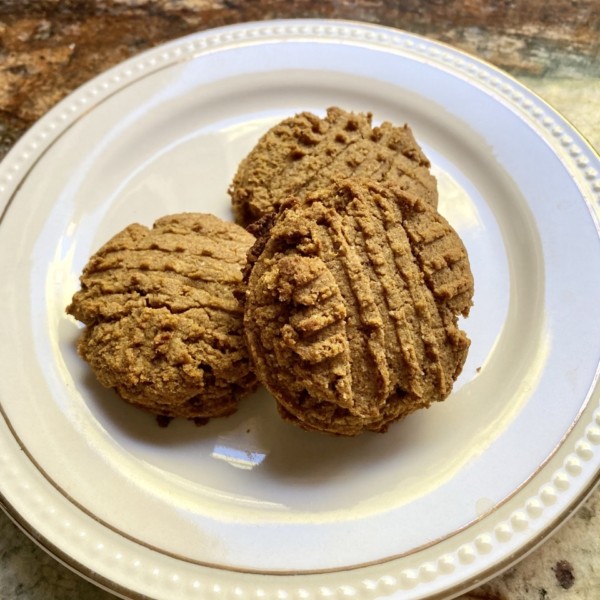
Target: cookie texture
305, 152
163, 327
352, 305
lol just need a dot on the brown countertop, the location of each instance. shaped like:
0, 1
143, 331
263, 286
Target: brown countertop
48, 48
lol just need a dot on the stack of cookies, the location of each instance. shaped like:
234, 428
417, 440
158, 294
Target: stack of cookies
345, 306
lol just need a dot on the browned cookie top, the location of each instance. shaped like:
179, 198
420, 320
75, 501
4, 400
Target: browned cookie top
163, 326
352, 304
303, 153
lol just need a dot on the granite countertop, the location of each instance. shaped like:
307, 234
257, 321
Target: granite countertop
49, 47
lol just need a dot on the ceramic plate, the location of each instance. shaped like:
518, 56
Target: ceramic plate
249, 506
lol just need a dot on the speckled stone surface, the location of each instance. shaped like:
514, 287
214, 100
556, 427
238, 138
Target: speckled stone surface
47, 48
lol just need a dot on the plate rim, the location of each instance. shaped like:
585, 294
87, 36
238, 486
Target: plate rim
71, 108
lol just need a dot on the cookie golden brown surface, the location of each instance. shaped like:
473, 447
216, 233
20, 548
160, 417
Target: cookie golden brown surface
305, 152
352, 304
163, 327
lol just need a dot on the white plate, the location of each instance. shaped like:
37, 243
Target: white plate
251, 507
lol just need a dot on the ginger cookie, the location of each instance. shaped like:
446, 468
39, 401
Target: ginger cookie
352, 304
163, 327
304, 153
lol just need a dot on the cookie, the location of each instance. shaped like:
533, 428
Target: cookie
305, 152
352, 304
163, 327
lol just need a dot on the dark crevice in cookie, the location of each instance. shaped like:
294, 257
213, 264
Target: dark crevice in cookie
163, 420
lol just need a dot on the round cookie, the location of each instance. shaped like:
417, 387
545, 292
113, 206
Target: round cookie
305, 152
351, 308
163, 327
